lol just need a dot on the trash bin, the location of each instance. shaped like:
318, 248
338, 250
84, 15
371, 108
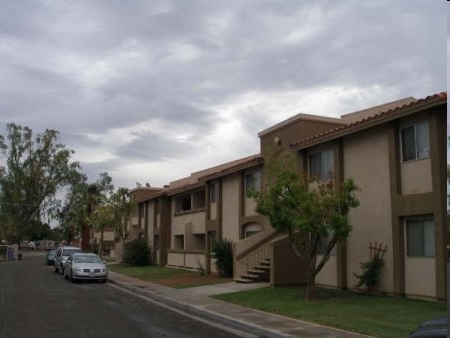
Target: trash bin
10, 254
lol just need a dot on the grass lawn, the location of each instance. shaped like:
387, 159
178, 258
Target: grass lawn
176, 278
374, 315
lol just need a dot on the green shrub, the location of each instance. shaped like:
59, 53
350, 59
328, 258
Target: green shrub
223, 253
371, 270
137, 253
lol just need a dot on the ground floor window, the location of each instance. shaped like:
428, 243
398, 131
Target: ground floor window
420, 237
251, 229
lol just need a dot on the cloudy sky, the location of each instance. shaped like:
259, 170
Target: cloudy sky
151, 91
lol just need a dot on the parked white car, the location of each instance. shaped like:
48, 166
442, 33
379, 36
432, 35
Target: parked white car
62, 253
86, 266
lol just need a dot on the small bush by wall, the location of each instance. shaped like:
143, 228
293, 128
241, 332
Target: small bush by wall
222, 251
137, 253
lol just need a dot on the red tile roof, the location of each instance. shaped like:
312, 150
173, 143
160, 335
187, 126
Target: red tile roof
369, 121
198, 178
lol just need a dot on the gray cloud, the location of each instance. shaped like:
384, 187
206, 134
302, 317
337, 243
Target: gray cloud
93, 70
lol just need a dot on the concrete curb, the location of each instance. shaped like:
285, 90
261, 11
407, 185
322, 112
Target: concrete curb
201, 312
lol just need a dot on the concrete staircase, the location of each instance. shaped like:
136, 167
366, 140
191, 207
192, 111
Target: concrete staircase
258, 273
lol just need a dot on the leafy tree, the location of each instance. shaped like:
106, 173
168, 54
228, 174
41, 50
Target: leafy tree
121, 204
309, 213
34, 170
82, 201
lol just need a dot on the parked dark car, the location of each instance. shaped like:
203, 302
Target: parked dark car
434, 328
50, 257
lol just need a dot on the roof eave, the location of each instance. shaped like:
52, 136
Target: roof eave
382, 118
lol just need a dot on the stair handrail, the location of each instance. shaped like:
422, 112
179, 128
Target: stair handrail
254, 247
257, 254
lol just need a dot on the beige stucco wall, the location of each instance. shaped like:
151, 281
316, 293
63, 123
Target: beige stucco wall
108, 235
250, 206
195, 261
134, 220
420, 276
366, 161
213, 211
186, 260
196, 218
410, 171
212, 266
230, 207
175, 259
328, 274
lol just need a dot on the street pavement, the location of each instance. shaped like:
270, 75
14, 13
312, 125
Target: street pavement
197, 302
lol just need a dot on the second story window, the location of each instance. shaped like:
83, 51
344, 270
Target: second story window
183, 203
199, 199
415, 141
213, 192
252, 182
321, 164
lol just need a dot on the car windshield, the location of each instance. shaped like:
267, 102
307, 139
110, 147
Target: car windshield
68, 252
86, 259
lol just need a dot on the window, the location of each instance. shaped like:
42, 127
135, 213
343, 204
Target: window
321, 164
415, 141
251, 229
199, 199
252, 182
183, 203
213, 192
420, 237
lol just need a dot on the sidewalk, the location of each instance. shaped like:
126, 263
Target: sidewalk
196, 301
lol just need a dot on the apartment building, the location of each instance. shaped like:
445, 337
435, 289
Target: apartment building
396, 154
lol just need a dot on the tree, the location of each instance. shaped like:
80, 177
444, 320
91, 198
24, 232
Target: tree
312, 214
82, 201
34, 170
121, 204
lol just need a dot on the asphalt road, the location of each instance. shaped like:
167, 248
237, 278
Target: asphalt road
36, 302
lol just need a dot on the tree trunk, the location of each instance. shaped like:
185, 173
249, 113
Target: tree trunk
100, 246
311, 283
85, 238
